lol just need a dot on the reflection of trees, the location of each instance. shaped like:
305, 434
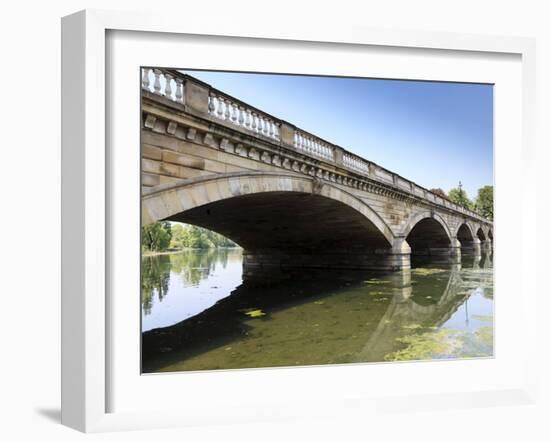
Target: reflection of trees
195, 265
155, 277
192, 266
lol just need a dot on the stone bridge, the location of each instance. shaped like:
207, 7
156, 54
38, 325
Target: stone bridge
288, 197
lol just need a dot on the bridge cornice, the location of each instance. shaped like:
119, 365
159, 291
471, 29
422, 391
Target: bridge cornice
191, 111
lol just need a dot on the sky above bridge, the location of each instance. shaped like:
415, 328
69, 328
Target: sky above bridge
433, 133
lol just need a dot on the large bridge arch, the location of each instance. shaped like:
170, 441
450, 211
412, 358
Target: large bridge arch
280, 218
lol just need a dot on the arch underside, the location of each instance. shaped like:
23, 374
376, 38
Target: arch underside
466, 238
287, 221
428, 237
481, 234
294, 225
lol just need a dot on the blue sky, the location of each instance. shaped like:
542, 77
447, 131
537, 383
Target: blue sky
435, 134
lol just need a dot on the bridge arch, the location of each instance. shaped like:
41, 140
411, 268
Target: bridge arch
427, 233
287, 216
424, 215
465, 235
480, 234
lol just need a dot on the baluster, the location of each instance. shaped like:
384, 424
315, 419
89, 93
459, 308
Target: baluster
227, 113
211, 104
241, 116
179, 90
299, 140
156, 85
220, 107
266, 127
234, 111
247, 119
254, 121
168, 88
145, 82
260, 125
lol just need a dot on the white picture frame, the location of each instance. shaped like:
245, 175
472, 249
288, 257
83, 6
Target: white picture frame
87, 206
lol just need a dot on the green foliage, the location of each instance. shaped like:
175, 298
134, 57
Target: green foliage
162, 236
156, 237
189, 236
484, 202
155, 278
458, 196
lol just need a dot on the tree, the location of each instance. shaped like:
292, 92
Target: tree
180, 237
188, 236
156, 237
439, 192
484, 202
458, 196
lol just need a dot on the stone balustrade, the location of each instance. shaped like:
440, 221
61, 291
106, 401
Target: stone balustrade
356, 163
163, 83
204, 100
311, 145
229, 110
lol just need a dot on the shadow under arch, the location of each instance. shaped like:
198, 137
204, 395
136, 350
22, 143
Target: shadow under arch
279, 219
465, 236
480, 234
427, 233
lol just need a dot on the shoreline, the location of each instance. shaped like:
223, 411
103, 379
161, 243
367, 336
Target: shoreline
173, 252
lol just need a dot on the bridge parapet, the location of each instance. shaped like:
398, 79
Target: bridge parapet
190, 95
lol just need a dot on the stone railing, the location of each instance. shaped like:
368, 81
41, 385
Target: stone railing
203, 99
356, 163
164, 83
235, 112
311, 145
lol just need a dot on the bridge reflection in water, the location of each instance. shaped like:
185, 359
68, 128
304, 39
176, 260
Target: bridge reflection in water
437, 310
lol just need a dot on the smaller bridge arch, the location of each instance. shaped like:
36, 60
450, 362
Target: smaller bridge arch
427, 233
416, 218
467, 238
481, 234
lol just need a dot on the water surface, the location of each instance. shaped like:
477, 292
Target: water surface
198, 313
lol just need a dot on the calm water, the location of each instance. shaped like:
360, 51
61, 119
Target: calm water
199, 314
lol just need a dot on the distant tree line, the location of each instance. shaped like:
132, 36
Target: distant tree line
482, 204
162, 236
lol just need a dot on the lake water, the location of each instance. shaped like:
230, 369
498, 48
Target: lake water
198, 313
